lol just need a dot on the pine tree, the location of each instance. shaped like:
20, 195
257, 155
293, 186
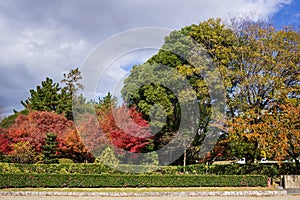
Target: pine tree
46, 97
50, 149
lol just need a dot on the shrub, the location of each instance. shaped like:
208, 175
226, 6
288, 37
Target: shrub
65, 160
270, 170
108, 157
124, 180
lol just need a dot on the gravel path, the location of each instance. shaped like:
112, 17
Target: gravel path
289, 197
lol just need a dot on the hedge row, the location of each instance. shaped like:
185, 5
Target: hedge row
126, 180
271, 170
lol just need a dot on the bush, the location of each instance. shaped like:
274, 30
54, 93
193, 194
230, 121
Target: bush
108, 157
270, 170
67, 168
65, 160
124, 180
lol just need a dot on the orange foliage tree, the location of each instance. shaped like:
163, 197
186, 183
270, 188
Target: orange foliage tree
127, 129
91, 135
32, 129
281, 130
275, 132
264, 80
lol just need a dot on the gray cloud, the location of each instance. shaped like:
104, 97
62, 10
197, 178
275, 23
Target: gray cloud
47, 38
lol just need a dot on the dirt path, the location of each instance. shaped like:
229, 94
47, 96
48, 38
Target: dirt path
289, 197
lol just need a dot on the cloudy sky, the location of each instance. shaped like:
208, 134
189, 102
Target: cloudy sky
40, 39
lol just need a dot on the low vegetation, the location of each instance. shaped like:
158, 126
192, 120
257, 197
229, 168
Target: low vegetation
125, 180
270, 170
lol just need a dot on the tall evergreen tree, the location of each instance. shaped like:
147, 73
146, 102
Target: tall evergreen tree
46, 97
50, 149
49, 96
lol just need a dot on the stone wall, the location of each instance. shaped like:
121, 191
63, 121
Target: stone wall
290, 181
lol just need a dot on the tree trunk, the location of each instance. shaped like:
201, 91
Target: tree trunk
184, 158
297, 166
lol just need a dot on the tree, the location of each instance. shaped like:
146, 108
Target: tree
276, 133
5, 147
266, 75
260, 69
49, 149
45, 98
49, 96
23, 153
90, 133
34, 127
71, 81
76, 149
156, 88
72, 85
283, 127
283, 139
126, 130
108, 157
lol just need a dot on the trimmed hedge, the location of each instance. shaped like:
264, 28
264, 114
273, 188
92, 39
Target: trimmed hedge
125, 180
270, 170
66, 168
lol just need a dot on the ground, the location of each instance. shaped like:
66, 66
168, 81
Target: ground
290, 197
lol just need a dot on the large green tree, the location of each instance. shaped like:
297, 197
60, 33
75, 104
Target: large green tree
259, 68
46, 97
50, 96
174, 80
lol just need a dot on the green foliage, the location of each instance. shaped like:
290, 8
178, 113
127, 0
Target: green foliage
270, 170
71, 81
150, 159
105, 180
10, 120
50, 149
11, 168
49, 96
186, 54
107, 157
66, 168
46, 97
65, 161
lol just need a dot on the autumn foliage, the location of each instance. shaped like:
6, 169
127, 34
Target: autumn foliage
274, 133
126, 129
32, 129
34, 126
92, 136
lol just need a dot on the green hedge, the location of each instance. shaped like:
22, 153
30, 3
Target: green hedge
125, 180
67, 168
72, 168
270, 170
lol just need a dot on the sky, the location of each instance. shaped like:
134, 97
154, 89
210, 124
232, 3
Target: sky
40, 39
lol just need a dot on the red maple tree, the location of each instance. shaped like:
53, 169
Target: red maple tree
126, 129
32, 128
90, 133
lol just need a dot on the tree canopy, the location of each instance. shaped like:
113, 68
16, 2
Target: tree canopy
259, 67
237, 82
